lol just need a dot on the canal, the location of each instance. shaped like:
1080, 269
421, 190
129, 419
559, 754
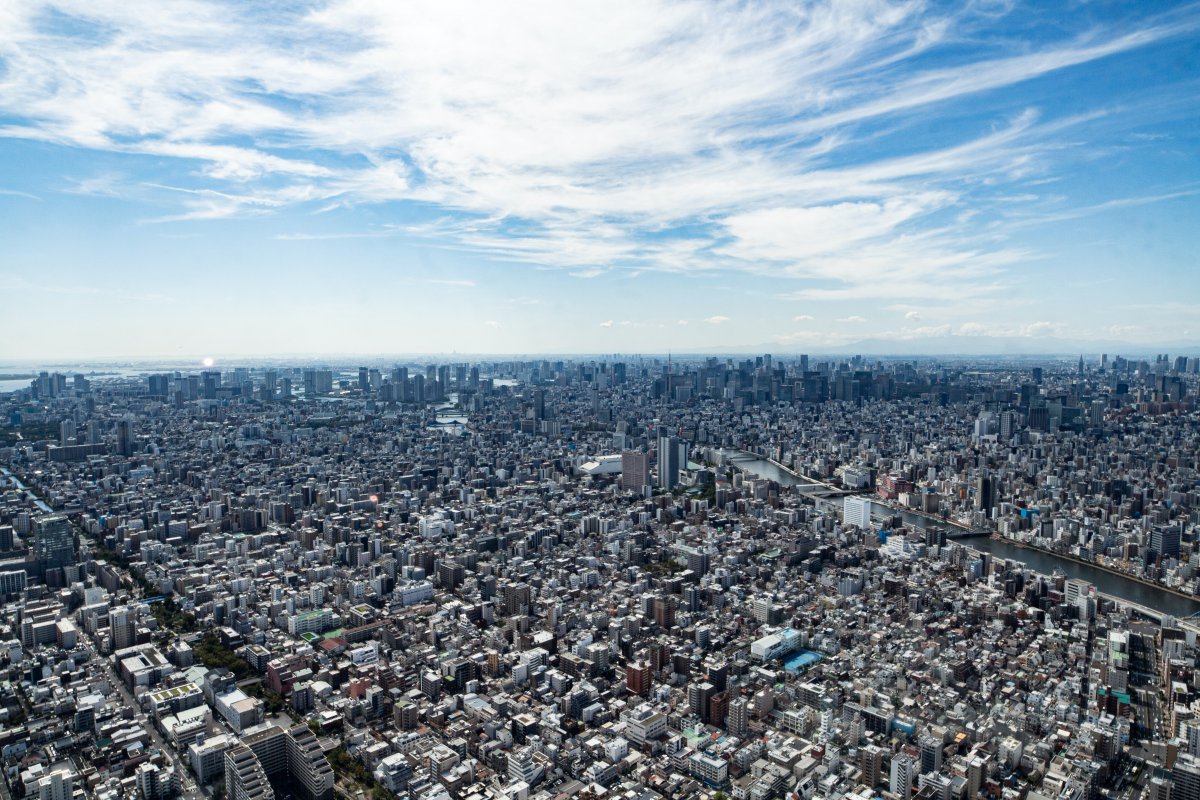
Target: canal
1036, 560
21, 487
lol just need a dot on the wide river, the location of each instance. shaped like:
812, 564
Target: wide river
1045, 563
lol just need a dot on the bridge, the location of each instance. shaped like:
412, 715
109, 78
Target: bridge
803, 484
954, 530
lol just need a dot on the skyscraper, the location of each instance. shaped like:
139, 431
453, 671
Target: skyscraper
635, 470
54, 544
126, 442
672, 458
857, 511
1164, 540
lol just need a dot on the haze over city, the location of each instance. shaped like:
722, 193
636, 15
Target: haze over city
198, 178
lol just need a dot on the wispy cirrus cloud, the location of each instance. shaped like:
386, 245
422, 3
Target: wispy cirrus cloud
16, 193
666, 136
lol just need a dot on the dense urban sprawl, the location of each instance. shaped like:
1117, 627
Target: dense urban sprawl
627, 578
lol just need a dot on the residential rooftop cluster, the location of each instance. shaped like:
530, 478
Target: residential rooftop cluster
628, 578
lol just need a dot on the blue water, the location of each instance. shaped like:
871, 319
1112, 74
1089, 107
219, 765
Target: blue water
801, 660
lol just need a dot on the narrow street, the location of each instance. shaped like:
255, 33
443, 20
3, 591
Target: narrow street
187, 785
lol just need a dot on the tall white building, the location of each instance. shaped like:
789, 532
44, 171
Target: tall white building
902, 776
58, 785
857, 511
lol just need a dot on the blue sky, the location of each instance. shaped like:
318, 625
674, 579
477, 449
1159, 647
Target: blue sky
192, 178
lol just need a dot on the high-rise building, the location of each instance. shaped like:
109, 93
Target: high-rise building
54, 544
699, 695
121, 627
155, 781
638, 678
857, 511
292, 760
737, 721
1186, 777
931, 754
126, 439
158, 385
317, 381
985, 493
1008, 424
902, 776
672, 459
1164, 540
244, 776
870, 762
58, 785
664, 612
635, 470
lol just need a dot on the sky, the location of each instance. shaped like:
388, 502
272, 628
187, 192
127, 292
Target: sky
191, 178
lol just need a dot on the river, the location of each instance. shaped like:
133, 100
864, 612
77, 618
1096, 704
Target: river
1104, 581
20, 486
1038, 561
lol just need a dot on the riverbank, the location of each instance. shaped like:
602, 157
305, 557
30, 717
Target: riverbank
1102, 567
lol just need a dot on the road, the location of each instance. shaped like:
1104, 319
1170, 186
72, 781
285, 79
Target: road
188, 788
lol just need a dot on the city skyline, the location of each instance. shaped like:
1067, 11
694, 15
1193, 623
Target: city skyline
196, 179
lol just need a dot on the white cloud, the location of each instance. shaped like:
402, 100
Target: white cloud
913, 315
15, 193
855, 319
681, 322
460, 282
717, 320
1042, 328
571, 135
1028, 330
608, 323
801, 318
491, 323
